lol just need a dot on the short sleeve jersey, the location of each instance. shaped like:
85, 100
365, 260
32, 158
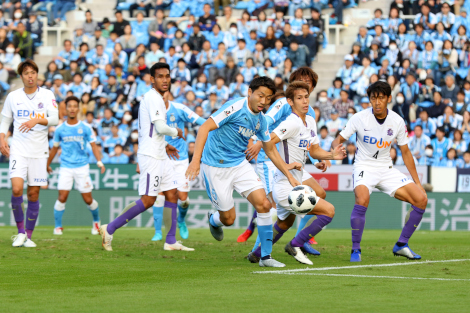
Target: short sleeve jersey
32, 144
73, 140
237, 123
374, 140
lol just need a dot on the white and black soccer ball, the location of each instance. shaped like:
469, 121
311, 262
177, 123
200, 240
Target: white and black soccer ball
302, 199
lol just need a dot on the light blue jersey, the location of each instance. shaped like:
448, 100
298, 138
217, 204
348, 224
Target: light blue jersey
73, 140
226, 145
177, 115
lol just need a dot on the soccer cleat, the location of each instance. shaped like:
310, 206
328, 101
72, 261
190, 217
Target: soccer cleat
312, 241
297, 253
307, 248
252, 257
29, 244
95, 230
176, 246
217, 232
183, 230
406, 252
58, 231
157, 236
106, 237
270, 263
18, 240
244, 237
356, 255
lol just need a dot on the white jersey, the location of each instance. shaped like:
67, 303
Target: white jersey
296, 139
152, 108
33, 144
373, 139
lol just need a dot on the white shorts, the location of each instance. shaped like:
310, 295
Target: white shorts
305, 175
388, 180
266, 171
81, 176
281, 190
221, 181
155, 176
31, 170
180, 173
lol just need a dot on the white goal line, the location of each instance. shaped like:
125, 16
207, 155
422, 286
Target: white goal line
356, 266
372, 276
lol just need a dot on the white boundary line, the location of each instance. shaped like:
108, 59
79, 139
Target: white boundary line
356, 266
371, 276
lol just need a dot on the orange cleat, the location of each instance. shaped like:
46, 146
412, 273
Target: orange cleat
245, 236
312, 241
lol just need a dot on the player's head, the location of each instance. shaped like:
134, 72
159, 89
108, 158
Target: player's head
297, 95
260, 92
380, 94
305, 74
160, 77
72, 107
28, 71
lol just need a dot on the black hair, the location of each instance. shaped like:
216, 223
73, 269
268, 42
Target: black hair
441, 129
379, 87
181, 60
263, 82
323, 128
71, 98
158, 66
419, 126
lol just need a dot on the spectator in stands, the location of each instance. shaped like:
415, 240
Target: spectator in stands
460, 20
60, 8
249, 71
345, 73
153, 55
410, 89
364, 39
231, 71
447, 61
287, 36
220, 90
428, 59
260, 55
238, 88
297, 54
10, 60
78, 87
343, 104
59, 88
449, 90
120, 23
440, 144
460, 105
241, 54
65, 56
465, 163
89, 26
140, 29
112, 140
309, 41
196, 39
412, 55
324, 104
118, 157
335, 123
449, 121
3, 40
351, 153
382, 38
401, 107
23, 42
207, 21
377, 20
465, 129
418, 143
128, 40
227, 19
426, 93
338, 6
426, 18
34, 27
278, 54
458, 143
325, 138
450, 160
213, 103
99, 59
420, 37
145, 5
428, 125
97, 39
356, 53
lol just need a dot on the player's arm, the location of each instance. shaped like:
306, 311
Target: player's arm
193, 169
96, 153
338, 141
338, 153
52, 155
52, 119
4, 127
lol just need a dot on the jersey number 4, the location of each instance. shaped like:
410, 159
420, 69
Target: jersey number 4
376, 155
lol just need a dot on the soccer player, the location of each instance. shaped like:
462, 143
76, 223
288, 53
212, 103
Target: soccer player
298, 137
156, 169
376, 129
73, 136
224, 138
177, 115
32, 110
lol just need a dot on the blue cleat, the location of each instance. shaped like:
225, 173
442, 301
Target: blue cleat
307, 248
158, 236
406, 252
184, 233
356, 255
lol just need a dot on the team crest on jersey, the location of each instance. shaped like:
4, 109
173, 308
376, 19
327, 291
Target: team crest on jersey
283, 130
258, 126
172, 117
40, 105
389, 132
158, 113
312, 133
80, 131
278, 106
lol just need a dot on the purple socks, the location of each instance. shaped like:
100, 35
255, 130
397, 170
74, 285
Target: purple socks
311, 231
18, 212
169, 217
277, 232
358, 221
129, 212
252, 222
31, 217
413, 219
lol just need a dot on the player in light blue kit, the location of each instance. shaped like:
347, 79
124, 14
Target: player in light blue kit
72, 136
224, 138
177, 115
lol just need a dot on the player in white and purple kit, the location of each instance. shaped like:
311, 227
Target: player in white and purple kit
376, 129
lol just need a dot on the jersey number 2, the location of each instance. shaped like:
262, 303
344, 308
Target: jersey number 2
14, 164
376, 155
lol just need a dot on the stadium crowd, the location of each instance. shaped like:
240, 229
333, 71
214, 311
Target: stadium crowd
214, 55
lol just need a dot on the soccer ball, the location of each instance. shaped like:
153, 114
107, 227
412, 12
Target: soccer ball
302, 199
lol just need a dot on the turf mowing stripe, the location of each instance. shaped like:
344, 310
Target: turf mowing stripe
356, 266
371, 276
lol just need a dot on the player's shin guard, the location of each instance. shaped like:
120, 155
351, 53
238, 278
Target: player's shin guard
59, 209
312, 230
95, 211
358, 221
304, 222
183, 207
277, 234
413, 218
158, 213
129, 212
169, 218
265, 231
18, 212
31, 217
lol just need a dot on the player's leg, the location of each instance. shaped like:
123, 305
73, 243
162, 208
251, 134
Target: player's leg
158, 216
93, 206
85, 186
183, 206
308, 180
59, 209
358, 220
18, 169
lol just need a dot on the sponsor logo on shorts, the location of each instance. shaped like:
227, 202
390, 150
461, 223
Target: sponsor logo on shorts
40, 180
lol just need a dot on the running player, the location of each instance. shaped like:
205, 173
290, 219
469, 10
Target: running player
156, 169
177, 115
73, 136
224, 138
376, 130
297, 136
32, 110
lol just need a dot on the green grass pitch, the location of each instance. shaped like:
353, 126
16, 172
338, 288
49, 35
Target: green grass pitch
71, 273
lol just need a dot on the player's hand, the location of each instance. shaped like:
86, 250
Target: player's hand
339, 152
293, 181
294, 166
49, 170
26, 126
4, 148
137, 169
253, 151
180, 133
193, 170
172, 152
101, 166
322, 166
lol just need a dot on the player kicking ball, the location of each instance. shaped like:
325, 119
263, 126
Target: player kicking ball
32, 110
73, 136
376, 130
224, 138
297, 136
156, 170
